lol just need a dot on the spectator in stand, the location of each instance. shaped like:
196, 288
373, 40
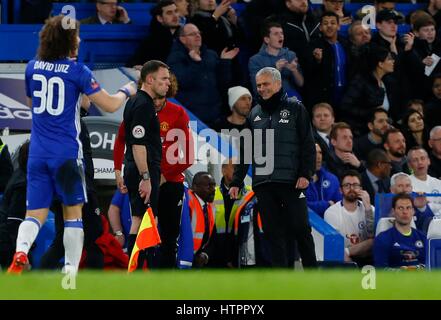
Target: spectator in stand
435, 154
359, 38
274, 54
401, 246
202, 76
221, 29
395, 146
433, 106
324, 190
299, 27
401, 183
322, 121
342, 158
425, 45
336, 6
240, 102
358, 34
384, 5
217, 23
416, 104
378, 124
108, 12
256, 14
6, 168
400, 48
414, 130
173, 165
376, 178
183, 10
434, 9
162, 32
419, 162
367, 91
327, 62
353, 218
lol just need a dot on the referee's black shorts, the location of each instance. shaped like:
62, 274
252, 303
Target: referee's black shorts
132, 179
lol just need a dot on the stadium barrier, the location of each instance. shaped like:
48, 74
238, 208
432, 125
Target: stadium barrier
433, 257
114, 43
329, 243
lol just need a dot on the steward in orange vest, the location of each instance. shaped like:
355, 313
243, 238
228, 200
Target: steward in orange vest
249, 247
201, 209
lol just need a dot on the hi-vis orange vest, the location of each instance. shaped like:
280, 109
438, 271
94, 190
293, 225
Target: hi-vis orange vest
248, 197
197, 220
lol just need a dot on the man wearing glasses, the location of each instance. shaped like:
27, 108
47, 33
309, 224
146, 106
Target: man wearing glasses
201, 74
353, 218
108, 12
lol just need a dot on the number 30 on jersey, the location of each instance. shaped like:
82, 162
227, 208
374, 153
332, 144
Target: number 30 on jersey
46, 95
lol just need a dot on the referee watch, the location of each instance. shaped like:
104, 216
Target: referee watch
145, 175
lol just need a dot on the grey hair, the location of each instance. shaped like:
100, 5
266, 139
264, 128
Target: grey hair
433, 131
396, 176
273, 72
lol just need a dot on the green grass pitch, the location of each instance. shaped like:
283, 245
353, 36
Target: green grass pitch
230, 285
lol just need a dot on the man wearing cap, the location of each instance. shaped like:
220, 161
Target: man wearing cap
400, 48
239, 100
386, 23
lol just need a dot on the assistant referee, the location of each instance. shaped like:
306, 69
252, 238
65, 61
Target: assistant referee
143, 153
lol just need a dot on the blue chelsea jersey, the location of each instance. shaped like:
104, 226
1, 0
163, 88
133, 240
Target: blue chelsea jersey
55, 88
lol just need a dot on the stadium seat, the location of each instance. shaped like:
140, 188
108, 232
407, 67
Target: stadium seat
114, 43
385, 224
433, 256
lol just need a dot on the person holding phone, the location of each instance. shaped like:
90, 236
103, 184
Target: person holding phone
108, 12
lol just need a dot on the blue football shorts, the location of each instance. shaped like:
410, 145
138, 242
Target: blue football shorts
62, 178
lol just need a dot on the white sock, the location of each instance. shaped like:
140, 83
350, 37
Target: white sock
73, 243
27, 233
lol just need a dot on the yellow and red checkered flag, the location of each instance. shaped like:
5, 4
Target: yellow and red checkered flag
148, 236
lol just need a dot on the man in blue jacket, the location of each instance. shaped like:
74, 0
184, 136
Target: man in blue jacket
201, 74
324, 189
274, 54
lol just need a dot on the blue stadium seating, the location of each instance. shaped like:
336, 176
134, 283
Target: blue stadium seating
114, 43
433, 257
139, 13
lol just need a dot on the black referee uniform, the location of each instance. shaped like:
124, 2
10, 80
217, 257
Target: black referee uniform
142, 128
